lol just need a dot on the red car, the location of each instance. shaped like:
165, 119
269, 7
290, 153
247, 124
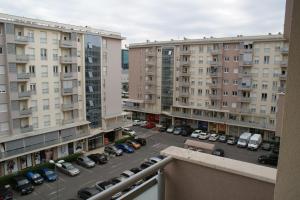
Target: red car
150, 125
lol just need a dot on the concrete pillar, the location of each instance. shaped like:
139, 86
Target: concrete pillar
288, 174
161, 185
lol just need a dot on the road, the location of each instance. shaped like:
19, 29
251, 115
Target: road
67, 187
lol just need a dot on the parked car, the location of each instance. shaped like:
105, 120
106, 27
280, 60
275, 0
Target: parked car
186, 131
129, 131
204, 136
125, 148
69, 169
231, 140
244, 139
135, 170
266, 146
255, 141
6, 193
141, 141
155, 159
133, 144
143, 124
170, 129
149, 125
218, 152
113, 150
271, 159
48, 174
85, 162
98, 158
22, 185
222, 138
177, 130
146, 164
213, 137
162, 129
104, 185
196, 133
136, 122
87, 192
127, 173
34, 178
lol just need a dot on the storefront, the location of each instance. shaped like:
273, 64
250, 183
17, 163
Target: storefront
152, 118
221, 128
202, 125
212, 127
95, 142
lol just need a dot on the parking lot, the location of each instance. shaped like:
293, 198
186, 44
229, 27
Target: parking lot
67, 187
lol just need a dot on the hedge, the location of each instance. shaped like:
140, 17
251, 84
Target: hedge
122, 140
8, 178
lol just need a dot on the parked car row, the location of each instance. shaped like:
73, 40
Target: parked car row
144, 124
100, 186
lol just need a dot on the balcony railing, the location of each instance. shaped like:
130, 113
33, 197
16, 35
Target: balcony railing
283, 63
68, 59
284, 50
244, 99
215, 96
215, 63
215, 85
70, 75
281, 89
17, 39
184, 73
184, 94
150, 72
69, 106
24, 94
215, 74
185, 52
150, 90
246, 63
26, 129
245, 87
151, 62
23, 76
69, 91
282, 76
184, 83
67, 43
185, 62
150, 53
68, 121
216, 51
243, 51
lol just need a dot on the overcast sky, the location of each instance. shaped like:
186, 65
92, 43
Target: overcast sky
139, 20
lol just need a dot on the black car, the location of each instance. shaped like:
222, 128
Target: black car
232, 140
98, 158
22, 184
266, 146
271, 159
113, 150
135, 170
186, 131
103, 185
222, 138
6, 193
218, 152
141, 141
162, 129
146, 164
86, 193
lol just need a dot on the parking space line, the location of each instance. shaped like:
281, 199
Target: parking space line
56, 191
48, 185
84, 169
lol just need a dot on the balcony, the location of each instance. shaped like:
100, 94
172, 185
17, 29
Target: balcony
67, 44
27, 128
215, 85
216, 74
69, 106
185, 62
283, 77
216, 51
151, 62
179, 175
147, 100
284, 50
245, 75
184, 83
68, 121
149, 72
283, 63
245, 87
21, 59
184, 73
150, 82
281, 89
244, 51
252, 124
182, 103
184, 94
20, 77
24, 94
246, 63
150, 53
26, 112
150, 90
68, 59
17, 39
244, 99
69, 91
185, 52
68, 76
215, 96
215, 63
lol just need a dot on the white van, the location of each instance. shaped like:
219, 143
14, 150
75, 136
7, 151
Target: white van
254, 142
244, 139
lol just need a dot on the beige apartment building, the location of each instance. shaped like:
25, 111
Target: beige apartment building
58, 95
227, 85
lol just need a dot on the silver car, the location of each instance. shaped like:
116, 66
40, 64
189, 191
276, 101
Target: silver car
69, 169
85, 162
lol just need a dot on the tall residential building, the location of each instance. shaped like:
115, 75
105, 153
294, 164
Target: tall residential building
57, 92
225, 85
124, 76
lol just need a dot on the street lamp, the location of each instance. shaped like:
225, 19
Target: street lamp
56, 164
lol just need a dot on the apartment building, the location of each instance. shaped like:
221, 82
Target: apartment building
58, 94
227, 85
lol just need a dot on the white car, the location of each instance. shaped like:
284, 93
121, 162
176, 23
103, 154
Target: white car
170, 129
143, 123
196, 133
204, 136
129, 131
136, 122
213, 137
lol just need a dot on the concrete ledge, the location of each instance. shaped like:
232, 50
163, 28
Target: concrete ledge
265, 174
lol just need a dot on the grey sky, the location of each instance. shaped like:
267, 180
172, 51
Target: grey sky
139, 20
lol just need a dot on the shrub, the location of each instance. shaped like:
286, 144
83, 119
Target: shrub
124, 139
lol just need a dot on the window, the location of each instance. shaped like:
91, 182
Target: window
43, 37
199, 92
225, 104
91, 88
264, 96
263, 109
225, 93
264, 85
104, 43
31, 53
4, 126
47, 121
2, 89
226, 46
46, 104
200, 71
267, 50
90, 59
201, 48
226, 69
225, 81
44, 71
43, 54
200, 83
33, 88
34, 105
3, 107
78, 68
57, 102
57, 118
266, 59
67, 84
91, 103
235, 82
2, 69
233, 105
256, 60
226, 58
234, 93
273, 109
55, 54
35, 122
31, 36
274, 97
55, 70
55, 38
89, 45
45, 87
32, 69
265, 72
1, 50
56, 87
236, 70
235, 58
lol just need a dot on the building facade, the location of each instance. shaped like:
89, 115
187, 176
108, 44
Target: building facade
47, 109
124, 76
224, 85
